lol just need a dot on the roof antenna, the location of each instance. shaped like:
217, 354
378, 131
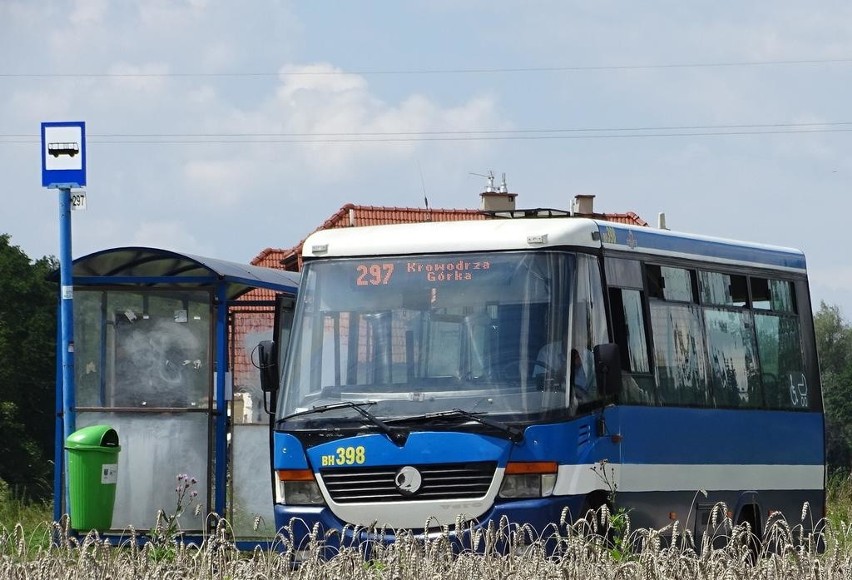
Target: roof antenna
489, 188
423, 185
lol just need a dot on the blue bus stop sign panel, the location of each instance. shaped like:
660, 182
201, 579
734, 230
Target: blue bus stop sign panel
63, 154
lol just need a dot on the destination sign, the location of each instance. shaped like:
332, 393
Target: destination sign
432, 270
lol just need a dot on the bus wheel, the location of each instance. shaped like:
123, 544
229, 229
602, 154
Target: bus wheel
752, 532
594, 515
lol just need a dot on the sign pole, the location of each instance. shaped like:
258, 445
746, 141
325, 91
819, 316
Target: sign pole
66, 284
63, 166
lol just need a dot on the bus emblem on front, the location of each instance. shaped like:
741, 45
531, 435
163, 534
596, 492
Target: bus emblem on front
408, 480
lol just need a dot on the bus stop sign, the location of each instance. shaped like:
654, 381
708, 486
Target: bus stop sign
63, 155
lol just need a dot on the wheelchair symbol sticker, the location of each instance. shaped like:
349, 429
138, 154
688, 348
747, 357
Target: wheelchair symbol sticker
798, 390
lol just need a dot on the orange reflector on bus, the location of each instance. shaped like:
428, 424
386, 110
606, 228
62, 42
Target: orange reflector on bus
295, 475
531, 467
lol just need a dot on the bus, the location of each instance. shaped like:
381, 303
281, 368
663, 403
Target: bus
486, 371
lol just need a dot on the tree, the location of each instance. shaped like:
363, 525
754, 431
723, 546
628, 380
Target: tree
834, 347
833, 338
28, 314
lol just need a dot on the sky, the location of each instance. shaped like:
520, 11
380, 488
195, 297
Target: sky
224, 128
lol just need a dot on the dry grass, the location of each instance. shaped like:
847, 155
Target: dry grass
565, 552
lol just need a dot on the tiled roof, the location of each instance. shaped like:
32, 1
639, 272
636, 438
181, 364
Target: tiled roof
364, 215
628, 218
367, 215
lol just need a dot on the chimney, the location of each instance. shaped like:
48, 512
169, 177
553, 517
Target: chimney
584, 204
497, 200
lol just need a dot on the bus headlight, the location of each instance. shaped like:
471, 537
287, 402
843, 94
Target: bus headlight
298, 487
524, 479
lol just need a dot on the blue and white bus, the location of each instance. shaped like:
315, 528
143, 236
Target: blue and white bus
473, 370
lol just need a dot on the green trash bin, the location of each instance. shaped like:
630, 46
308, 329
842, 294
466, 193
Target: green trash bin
92, 476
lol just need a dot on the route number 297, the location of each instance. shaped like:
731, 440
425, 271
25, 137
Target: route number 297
78, 201
374, 274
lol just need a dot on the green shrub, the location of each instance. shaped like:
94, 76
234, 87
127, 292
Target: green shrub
33, 517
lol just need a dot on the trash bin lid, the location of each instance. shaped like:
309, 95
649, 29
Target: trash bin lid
94, 437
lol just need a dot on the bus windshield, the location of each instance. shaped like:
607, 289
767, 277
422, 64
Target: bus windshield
413, 336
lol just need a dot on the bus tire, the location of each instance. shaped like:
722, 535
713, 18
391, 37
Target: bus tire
749, 515
592, 512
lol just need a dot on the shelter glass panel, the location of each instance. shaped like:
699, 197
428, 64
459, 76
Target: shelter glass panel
143, 348
250, 327
251, 509
155, 449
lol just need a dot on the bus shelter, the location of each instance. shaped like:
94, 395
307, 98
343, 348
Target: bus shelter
163, 353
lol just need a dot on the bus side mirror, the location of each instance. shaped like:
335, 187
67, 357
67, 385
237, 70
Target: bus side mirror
608, 369
268, 366
268, 351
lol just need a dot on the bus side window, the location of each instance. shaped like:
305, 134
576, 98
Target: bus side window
779, 346
733, 369
782, 371
679, 353
628, 321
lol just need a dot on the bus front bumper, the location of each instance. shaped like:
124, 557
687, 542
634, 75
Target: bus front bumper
306, 528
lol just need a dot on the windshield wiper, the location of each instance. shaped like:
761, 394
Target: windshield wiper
397, 436
512, 434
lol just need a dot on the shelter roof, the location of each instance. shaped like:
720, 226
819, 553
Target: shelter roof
152, 267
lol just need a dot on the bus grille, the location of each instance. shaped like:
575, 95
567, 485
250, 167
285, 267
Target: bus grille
439, 481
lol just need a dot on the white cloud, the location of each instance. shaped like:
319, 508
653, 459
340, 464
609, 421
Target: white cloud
133, 79
831, 284
311, 128
88, 12
832, 278
170, 15
218, 54
171, 235
35, 105
316, 79
222, 182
